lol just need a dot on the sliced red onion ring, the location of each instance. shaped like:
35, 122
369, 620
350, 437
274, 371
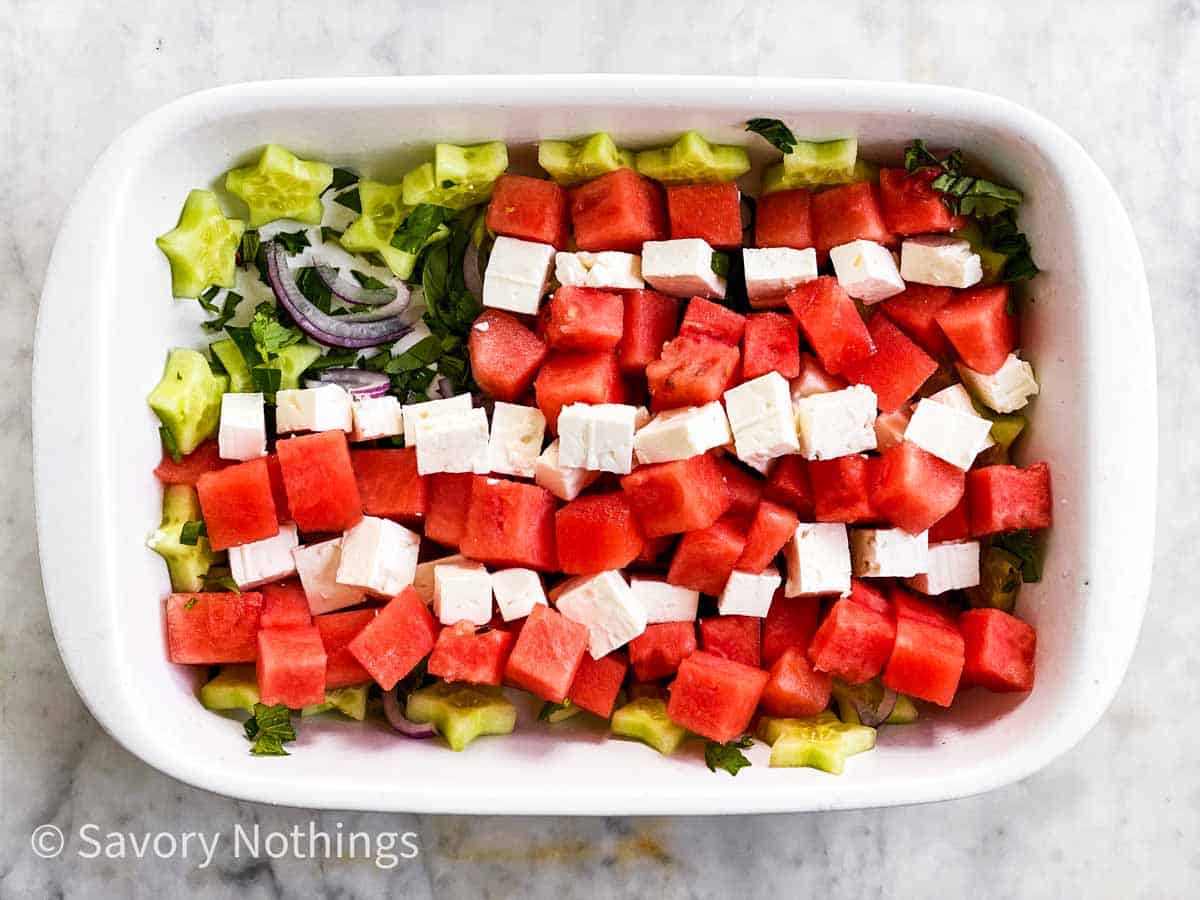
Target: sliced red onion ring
398, 721
472, 279
875, 715
441, 388
359, 382
353, 293
350, 331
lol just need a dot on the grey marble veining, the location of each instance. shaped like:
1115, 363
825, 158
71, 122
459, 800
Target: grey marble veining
1117, 817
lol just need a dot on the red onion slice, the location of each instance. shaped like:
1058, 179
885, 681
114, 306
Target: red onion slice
398, 721
875, 715
359, 382
352, 293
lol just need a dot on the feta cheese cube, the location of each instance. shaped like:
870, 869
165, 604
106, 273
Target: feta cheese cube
940, 260
415, 413
681, 268
564, 482
270, 559
641, 418
324, 408
682, 433
749, 595
516, 441
773, 271
839, 423
376, 417
866, 271
889, 428
317, 566
948, 433
762, 419
951, 566
517, 592
888, 552
958, 397
462, 592
597, 437
1006, 390
664, 602
243, 433
818, 560
570, 270
607, 269
454, 441
423, 576
605, 605
379, 556
516, 276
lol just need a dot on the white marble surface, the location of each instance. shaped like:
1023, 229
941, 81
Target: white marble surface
1118, 817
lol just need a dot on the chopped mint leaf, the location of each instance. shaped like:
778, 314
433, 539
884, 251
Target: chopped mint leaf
728, 756
342, 178
1022, 545
775, 132
219, 578
367, 281
350, 200
206, 299
420, 228
424, 352
224, 314
329, 235
169, 444
292, 241
248, 248
271, 335
267, 380
269, 729
315, 290
1001, 235
244, 339
917, 156
967, 195
549, 709
335, 358
720, 263
191, 602
191, 532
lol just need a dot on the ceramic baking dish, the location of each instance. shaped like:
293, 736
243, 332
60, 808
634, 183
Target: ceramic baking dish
106, 321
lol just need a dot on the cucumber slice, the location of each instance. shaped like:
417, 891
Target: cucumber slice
230, 357
999, 580
645, 720
1006, 429
188, 398
382, 212
234, 687
991, 261
462, 712
187, 564
558, 712
202, 247
292, 361
903, 712
573, 162
693, 159
458, 177
819, 742
281, 186
350, 701
770, 727
812, 164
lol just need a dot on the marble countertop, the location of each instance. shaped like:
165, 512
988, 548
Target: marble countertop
1119, 816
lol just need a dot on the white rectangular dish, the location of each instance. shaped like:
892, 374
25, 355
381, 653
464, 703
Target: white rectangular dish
106, 303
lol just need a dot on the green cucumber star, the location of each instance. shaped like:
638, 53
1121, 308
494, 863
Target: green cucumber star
819, 742
202, 248
281, 186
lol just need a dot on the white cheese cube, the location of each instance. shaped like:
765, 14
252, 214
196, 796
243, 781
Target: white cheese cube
455, 441
606, 606
681, 268
951, 566
761, 417
376, 417
1006, 390
682, 433
324, 408
270, 559
664, 602
866, 271
940, 260
243, 433
597, 437
948, 433
958, 397
379, 556
414, 413
564, 482
839, 423
888, 552
517, 592
889, 428
317, 566
516, 441
608, 269
773, 271
818, 560
570, 270
749, 595
423, 576
462, 592
516, 276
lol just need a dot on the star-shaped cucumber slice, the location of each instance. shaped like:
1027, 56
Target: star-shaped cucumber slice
202, 248
281, 186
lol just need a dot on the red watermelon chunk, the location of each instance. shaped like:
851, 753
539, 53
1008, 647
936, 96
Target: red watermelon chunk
841, 489
205, 458
954, 525
915, 311
771, 343
897, 369
692, 371
870, 597
577, 377
979, 326
595, 533
704, 559
847, 213
1005, 498
337, 630
510, 524
795, 687
745, 488
278, 490
547, 654
790, 622
651, 319
738, 638
658, 651
399, 637
913, 488
711, 212
291, 667
389, 484
673, 497
773, 525
237, 504
581, 318
831, 323
449, 500
789, 484
211, 628
620, 210
813, 379
926, 661
284, 605
707, 319
853, 643
999, 650
911, 205
505, 355
462, 654
321, 490
715, 697
597, 683
531, 209
784, 219
907, 605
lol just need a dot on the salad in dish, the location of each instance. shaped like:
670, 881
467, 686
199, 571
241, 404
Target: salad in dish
611, 434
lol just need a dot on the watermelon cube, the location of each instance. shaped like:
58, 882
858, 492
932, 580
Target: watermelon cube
691, 371
788, 484
795, 687
733, 637
979, 326
651, 319
771, 343
913, 488
449, 500
745, 487
926, 662
284, 605
510, 524
337, 630
911, 205
531, 209
906, 605
954, 525
547, 654
581, 318
790, 622
389, 484
673, 497
872, 598
318, 475
568, 377
1005, 498
653, 549
400, 636
237, 504
291, 667
831, 323
711, 212
773, 525
705, 558
853, 642
848, 213
596, 533
205, 458
915, 311
784, 219
657, 652
841, 488
278, 491
706, 319
462, 654
597, 683
505, 355
211, 628
999, 650
715, 697
896, 370
620, 210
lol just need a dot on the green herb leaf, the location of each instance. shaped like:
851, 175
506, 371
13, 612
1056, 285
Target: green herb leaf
248, 248
1001, 235
917, 156
314, 289
424, 352
548, 709
244, 339
1022, 545
966, 195
219, 578
727, 756
206, 299
720, 263
269, 729
330, 235
334, 358
342, 178
775, 132
270, 335
369, 282
191, 532
191, 602
169, 444
350, 200
419, 228
292, 241
224, 314
267, 380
